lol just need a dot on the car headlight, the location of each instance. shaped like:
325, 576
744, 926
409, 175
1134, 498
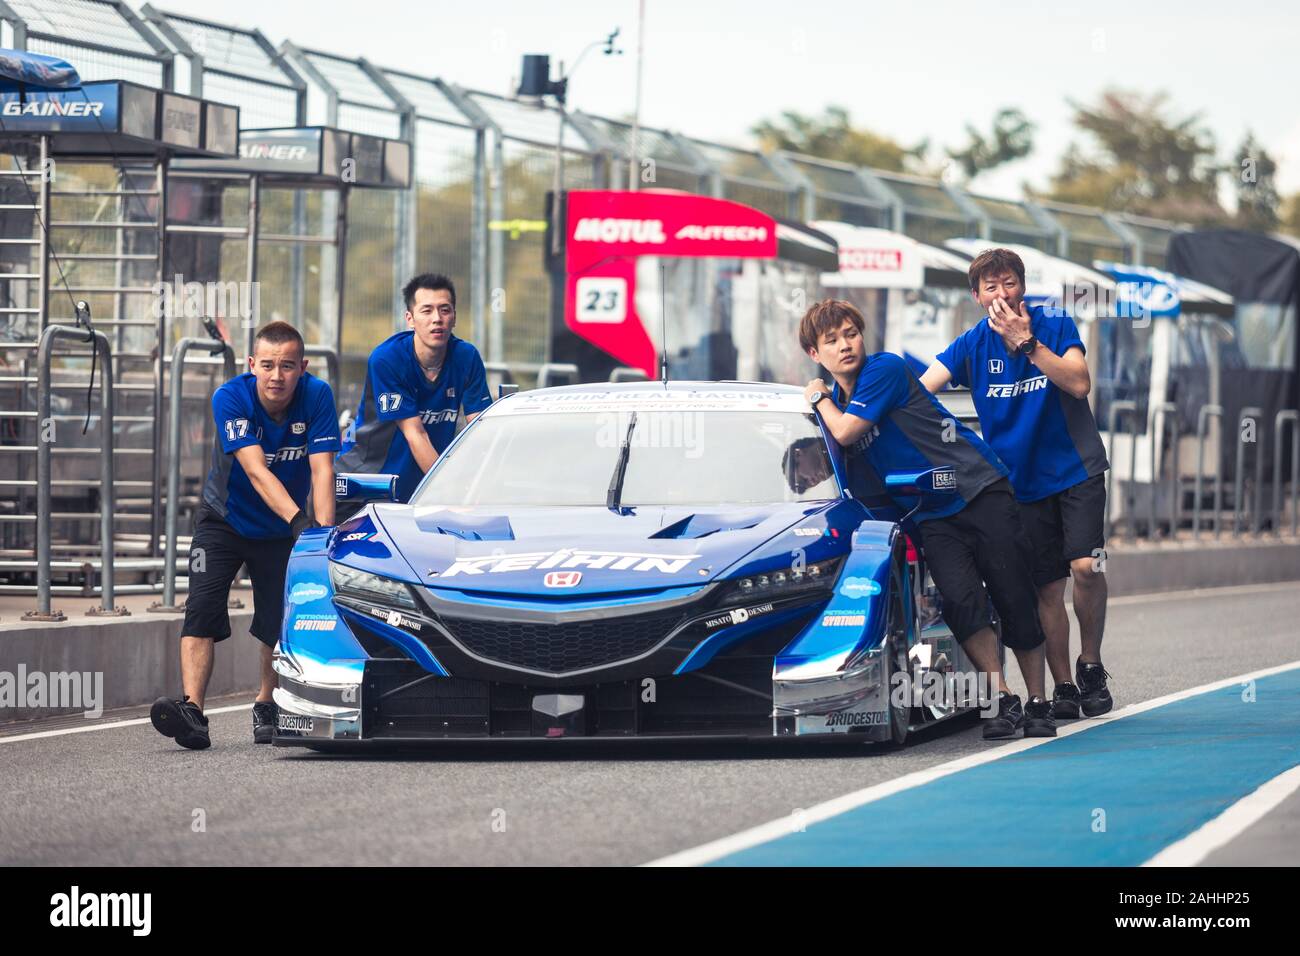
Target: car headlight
795, 579
364, 586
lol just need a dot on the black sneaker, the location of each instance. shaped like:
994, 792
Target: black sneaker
264, 715
182, 720
1094, 696
1009, 719
1065, 702
1038, 718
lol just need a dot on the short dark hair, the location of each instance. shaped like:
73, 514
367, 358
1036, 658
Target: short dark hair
279, 333
994, 262
827, 316
433, 281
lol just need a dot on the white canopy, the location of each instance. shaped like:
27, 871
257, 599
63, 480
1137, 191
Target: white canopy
881, 259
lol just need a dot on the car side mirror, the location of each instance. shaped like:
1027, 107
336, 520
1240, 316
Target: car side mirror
352, 486
931, 485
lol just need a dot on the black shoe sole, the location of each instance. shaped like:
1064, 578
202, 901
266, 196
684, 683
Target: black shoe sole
167, 719
1039, 728
1005, 733
1097, 706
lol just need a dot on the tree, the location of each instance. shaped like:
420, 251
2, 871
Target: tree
1012, 137
833, 136
1291, 215
1255, 174
1136, 158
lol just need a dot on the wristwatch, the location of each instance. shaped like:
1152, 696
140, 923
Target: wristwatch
1026, 348
816, 397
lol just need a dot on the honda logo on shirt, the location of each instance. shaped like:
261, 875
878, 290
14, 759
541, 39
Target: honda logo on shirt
563, 579
995, 366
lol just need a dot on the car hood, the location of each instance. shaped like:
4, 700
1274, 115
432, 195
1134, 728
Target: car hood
535, 551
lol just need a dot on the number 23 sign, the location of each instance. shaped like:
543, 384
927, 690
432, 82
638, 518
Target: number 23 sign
601, 299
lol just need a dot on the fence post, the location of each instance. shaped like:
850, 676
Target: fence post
1292, 417
331, 358
1160, 413
1202, 421
557, 370
44, 467
1116, 409
168, 603
1250, 412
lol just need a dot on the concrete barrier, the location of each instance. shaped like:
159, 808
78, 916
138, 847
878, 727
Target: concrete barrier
1181, 566
137, 659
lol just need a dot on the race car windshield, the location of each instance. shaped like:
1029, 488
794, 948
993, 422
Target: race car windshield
674, 458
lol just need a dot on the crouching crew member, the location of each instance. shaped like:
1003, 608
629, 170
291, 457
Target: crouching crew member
277, 436
416, 382
1029, 379
974, 544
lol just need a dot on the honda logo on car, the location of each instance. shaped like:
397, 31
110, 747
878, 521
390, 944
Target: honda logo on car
570, 558
562, 579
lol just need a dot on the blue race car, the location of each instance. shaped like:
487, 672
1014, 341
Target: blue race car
620, 560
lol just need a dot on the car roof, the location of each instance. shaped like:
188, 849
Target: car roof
655, 396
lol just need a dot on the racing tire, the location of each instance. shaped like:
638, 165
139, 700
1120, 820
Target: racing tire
895, 657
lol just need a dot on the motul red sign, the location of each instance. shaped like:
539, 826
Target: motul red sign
871, 260
663, 223
608, 231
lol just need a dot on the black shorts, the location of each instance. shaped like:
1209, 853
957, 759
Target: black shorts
979, 553
217, 551
1067, 525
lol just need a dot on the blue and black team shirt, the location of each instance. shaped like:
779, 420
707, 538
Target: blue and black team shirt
308, 426
396, 388
1047, 437
908, 432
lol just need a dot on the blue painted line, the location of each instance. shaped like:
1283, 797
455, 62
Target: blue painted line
1158, 776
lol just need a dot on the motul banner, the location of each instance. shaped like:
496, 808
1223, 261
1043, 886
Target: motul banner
607, 231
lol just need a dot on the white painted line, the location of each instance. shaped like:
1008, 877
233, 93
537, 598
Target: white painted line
1199, 844
765, 832
111, 725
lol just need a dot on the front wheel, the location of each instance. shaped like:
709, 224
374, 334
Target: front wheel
895, 660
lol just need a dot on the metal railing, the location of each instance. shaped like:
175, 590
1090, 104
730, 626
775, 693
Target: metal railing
331, 357
1291, 417
1162, 416
1251, 413
1116, 410
1202, 427
557, 373
212, 347
44, 486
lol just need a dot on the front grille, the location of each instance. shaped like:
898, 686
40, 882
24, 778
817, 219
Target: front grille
562, 648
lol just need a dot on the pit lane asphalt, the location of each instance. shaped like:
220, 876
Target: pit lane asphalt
125, 795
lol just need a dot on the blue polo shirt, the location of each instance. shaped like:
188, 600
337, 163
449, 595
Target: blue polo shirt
309, 425
1047, 437
397, 388
911, 431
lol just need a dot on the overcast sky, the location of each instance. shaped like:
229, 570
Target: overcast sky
712, 68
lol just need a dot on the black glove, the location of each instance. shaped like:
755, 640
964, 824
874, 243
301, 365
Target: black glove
301, 523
